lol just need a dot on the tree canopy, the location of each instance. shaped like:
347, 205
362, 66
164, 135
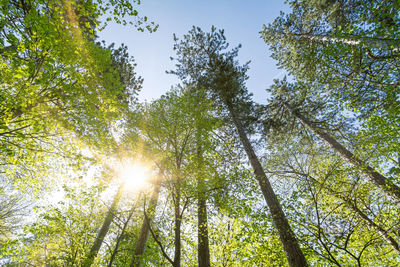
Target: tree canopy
204, 175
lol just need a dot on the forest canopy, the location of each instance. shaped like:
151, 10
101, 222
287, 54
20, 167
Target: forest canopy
205, 174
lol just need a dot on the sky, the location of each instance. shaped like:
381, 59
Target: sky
242, 21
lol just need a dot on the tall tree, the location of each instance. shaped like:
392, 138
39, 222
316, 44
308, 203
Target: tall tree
203, 250
336, 198
168, 132
347, 54
203, 247
202, 59
104, 228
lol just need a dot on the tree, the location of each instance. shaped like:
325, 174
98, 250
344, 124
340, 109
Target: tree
336, 204
284, 95
172, 129
145, 228
57, 83
62, 232
168, 136
120, 237
346, 53
202, 125
201, 59
43, 62
104, 228
12, 208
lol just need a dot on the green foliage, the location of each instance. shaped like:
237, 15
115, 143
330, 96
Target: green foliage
62, 92
345, 56
61, 233
57, 85
329, 204
204, 59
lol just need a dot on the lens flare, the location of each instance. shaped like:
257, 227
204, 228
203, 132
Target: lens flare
135, 176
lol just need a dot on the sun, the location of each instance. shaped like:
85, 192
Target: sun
135, 176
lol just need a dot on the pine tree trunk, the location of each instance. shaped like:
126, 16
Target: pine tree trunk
367, 171
203, 250
104, 229
145, 229
177, 227
291, 247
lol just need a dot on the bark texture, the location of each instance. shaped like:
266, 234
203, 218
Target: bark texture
291, 247
177, 228
203, 247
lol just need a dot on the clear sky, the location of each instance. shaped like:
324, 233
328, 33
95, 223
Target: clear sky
242, 21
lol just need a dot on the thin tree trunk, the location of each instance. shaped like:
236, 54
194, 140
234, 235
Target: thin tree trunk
104, 229
389, 239
177, 228
145, 229
369, 42
291, 247
121, 235
367, 171
363, 41
203, 250
203, 243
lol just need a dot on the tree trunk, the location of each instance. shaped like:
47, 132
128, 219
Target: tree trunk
291, 247
104, 229
145, 229
177, 228
367, 171
369, 42
120, 236
203, 250
363, 41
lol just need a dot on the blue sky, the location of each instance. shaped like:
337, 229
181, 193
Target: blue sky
241, 20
